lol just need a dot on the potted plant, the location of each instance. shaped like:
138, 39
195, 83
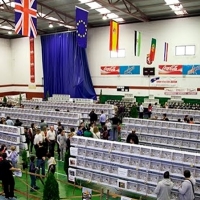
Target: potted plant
5, 100
24, 159
51, 188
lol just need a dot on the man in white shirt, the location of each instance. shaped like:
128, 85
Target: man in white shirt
141, 111
51, 137
37, 139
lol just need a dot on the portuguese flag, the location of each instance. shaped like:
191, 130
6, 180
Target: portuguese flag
153, 49
114, 35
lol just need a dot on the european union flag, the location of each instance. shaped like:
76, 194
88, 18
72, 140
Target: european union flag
81, 24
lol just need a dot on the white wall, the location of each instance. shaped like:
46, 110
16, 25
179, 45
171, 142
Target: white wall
5, 65
20, 55
15, 58
183, 31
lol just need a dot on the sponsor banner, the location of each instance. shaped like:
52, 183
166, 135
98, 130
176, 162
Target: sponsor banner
109, 70
165, 82
170, 70
191, 69
129, 70
180, 91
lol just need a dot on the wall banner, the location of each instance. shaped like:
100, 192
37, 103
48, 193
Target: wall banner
180, 91
191, 69
165, 82
109, 70
122, 70
170, 69
32, 60
129, 70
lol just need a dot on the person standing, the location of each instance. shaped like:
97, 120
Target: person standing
186, 190
102, 118
33, 169
164, 187
141, 111
43, 124
37, 139
115, 122
149, 110
40, 153
6, 174
9, 121
62, 142
93, 116
132, 138
88, 133
51, 137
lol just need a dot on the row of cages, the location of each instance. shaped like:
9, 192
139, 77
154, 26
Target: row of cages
70, 104
40, 112
128, 150
161, 124
133, 187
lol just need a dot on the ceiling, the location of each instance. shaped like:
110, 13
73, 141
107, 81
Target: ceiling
132, 11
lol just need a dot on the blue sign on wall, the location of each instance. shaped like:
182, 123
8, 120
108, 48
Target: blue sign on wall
191, 70
129, 70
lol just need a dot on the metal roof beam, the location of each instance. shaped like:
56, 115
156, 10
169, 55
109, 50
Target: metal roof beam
130, 9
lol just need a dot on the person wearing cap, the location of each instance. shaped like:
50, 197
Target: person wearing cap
164, 187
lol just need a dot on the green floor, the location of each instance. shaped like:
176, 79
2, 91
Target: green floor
67, 191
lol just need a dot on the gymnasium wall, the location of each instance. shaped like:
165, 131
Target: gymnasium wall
15, 76
183, 31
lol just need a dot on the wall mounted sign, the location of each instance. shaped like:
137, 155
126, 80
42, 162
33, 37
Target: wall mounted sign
32, 60
170, 69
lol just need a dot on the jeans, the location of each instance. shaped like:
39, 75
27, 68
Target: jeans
41, 164
114, 135
62, 152
33, 181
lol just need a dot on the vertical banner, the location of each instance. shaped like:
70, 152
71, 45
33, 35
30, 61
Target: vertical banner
81, 23
152, 50
114, 35
137, 44
32, 60
165, 51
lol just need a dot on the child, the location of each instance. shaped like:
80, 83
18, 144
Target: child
33, 169
51, 163
13, 156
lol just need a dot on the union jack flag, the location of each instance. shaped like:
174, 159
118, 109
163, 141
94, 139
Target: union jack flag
26, 17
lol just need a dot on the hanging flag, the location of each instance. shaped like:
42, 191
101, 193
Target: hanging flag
26, 17
81, 25
137, 43
114, 35
32, 60
152, 50
166, 52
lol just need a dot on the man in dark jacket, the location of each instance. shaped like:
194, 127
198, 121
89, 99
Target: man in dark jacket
93, 116
8, 181
132, 138
115, 122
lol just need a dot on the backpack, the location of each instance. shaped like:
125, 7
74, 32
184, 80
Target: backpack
79, 133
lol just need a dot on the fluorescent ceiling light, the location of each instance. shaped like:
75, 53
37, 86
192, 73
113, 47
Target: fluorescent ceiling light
52, 18
7, 27
94, 5
85, 1
104, 17
176, 7
169, 2
103, 10
10, 33
119, 19
112, 16
50, 25
180, 12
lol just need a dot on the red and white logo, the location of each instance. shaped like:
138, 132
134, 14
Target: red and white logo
170, 69
109, 70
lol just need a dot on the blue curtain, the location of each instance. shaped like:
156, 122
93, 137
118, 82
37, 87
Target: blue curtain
65, 66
